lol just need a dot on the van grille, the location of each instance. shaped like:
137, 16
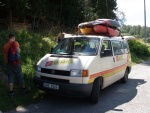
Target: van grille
54, 79
55, 72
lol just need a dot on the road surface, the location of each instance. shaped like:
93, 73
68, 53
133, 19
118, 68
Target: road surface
132, 97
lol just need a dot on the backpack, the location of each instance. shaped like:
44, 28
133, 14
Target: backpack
13, 56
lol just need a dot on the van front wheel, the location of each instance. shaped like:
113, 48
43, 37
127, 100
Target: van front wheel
125, 78
96, 91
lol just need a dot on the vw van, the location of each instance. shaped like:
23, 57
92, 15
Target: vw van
83, 65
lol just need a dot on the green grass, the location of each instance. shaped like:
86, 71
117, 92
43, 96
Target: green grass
140, 51
137, 60
19, 99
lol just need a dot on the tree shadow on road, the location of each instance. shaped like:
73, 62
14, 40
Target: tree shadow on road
111, 97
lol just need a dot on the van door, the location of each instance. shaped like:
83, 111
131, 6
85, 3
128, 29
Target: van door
106, 63
119, 58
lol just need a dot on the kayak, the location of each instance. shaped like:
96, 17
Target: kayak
100, 26
86, 24
107, 22
86, 30
100, 29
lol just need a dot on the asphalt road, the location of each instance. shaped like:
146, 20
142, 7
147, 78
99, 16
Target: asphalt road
132, 97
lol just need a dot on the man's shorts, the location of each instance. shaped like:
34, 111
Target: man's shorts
15, 70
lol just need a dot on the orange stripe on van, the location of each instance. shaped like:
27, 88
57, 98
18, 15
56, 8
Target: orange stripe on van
108, 71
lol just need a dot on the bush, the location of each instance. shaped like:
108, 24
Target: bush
139, 50
148, 40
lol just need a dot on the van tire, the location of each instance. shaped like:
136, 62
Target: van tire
96, 91
125, 78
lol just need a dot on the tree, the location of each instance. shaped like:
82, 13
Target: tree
13, 8
121, 17
137, 31
100, 9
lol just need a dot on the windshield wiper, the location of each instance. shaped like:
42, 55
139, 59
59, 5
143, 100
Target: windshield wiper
76, 53
66, 53
70, 53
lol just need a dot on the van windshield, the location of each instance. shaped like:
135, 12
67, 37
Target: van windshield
77, 46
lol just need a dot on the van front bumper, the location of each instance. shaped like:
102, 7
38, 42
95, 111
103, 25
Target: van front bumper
67, 89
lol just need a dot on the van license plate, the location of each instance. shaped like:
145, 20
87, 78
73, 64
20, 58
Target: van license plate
51, 86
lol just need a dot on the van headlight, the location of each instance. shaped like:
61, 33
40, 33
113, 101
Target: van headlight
38, 68
79, 73
76, 73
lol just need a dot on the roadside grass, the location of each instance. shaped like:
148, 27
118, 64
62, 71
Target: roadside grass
140, 61
137, 60
140, 51
33, 47
19, 99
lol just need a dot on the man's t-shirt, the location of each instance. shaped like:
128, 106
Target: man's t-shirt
6, 49
60, 39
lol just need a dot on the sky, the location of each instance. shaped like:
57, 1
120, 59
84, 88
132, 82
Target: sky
134, 11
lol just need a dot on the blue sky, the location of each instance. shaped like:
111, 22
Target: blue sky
134, 11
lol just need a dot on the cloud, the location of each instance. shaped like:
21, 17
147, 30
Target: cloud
134, 11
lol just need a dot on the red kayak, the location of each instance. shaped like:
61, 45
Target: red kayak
100, 29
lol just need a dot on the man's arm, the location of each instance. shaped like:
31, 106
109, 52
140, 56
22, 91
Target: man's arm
58, 38
18, 49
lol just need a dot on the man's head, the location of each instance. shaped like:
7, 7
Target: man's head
11, 37
63, 34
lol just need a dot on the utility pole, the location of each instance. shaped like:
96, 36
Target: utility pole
145, 21
107, 8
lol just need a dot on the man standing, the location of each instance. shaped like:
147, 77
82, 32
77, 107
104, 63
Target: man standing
60, 37
13, 67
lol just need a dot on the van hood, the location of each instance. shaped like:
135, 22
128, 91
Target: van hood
63, 62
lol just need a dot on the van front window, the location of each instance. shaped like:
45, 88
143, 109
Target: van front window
77, 46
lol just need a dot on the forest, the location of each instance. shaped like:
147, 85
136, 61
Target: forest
137, 31
39, 14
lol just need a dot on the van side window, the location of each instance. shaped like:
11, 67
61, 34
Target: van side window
117, 47
106, 49
125, 47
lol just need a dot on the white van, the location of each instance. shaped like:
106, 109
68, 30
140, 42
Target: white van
82, 65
